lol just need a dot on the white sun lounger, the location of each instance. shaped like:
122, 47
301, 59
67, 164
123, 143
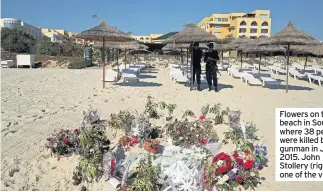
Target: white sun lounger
278, 70
249, 79
235, 73
180, 78
111, 75
318, 70
136, 69
313, 77
296, 74
175, 73
269, 81
129, 77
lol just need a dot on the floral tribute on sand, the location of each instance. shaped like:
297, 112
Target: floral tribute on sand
175, 153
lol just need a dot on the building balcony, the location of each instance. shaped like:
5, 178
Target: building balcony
242, 34
264, 34
243, 26
264, 27
253, 34
253, 27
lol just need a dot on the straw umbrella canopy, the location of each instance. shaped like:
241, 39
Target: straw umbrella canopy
290, 36
317, 50
190, 34
236, 43
104, 32
254, 47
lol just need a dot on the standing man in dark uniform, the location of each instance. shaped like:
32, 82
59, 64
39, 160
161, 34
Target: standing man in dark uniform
211, 69
197, 56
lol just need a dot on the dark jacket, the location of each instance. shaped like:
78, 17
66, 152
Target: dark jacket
197, 56
214, 55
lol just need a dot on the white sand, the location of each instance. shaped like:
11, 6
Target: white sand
64, 94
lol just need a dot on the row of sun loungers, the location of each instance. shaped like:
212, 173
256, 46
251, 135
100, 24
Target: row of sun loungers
128, 74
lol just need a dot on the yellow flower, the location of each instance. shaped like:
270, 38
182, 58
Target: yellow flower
214, 166
250, 157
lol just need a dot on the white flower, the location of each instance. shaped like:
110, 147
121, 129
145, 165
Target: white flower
181, 138
223, 179
220, 162
234, 170
252, 174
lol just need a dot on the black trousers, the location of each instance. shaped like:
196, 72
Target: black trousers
197, 73
211, 75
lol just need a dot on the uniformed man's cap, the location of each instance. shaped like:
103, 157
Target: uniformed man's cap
210, 45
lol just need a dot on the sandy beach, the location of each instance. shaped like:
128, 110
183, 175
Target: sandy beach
38, 101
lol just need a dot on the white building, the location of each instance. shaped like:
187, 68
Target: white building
27, 28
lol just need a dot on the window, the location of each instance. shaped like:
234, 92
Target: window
264, 24
243, 23
221, 19
254, 23
218, 26
141, 38
147, 38
242, 30
253, 30
264, 31
263, 16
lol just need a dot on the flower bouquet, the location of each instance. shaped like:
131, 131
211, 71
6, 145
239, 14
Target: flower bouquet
64, 142
241, 169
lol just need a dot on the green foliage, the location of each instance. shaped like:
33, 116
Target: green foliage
122, 120
151, 108
16, 40
77, 64
48, 48
216, 111
146, 178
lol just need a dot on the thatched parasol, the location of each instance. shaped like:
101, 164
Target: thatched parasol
253, 47
190, 34
236, 43
104, 32
290, 36
317, 50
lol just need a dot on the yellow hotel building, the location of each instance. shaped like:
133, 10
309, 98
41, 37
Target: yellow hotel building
252, 25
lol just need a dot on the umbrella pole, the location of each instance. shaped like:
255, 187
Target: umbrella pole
118, 63
259, 66
192, 67
241, 59
187, 57
305, 62
181, 57
287, 68
222, 56
103, 64
125, 58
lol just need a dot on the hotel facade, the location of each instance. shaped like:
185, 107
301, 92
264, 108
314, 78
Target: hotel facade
13, 23
252, 25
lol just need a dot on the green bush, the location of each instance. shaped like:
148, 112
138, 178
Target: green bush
78, 64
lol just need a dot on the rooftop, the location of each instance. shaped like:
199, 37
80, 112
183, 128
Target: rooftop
167, 35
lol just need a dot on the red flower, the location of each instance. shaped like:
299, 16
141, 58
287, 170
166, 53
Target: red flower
261, 167
65, 141
76, 130
229, 166
125, 186
239, 179
239, 160
133, 140
202, 117
67, 130
113, 164
247, 165
217, 174
58, 158
203, 141
223, 169
235, 154
179, 132
246, 152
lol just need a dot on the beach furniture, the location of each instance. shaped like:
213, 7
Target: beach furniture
234, 72
180, 78
317, 69
136, 69
313, 77
23, 60
129, 77
111, 75
7, 64
269, 81
277, 70
249, 79
296, 74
